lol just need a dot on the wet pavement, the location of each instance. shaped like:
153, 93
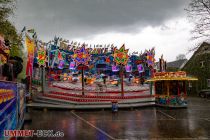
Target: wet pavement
140, 123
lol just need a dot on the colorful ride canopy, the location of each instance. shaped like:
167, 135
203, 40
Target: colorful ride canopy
60, 55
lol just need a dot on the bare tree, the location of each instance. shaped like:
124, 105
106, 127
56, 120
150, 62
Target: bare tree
180, 57
199, 13
6, 8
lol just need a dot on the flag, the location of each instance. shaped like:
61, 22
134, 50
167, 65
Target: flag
108, 60
31, 31
72, 65
24, 29
128, 68
60, 56
30, 45
61, 64
34, 36
140, 68
115, 68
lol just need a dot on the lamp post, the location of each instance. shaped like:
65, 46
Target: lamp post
121, 76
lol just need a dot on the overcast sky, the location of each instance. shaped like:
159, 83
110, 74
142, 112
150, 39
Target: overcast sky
140, 24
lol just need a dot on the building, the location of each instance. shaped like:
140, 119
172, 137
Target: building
176, 65
199, 66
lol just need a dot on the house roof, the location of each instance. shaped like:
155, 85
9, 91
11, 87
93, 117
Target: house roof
177, 63
201, 48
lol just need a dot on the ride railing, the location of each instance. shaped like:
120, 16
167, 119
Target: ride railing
175, 100
101, 97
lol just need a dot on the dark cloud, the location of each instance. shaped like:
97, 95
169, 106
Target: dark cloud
82, 18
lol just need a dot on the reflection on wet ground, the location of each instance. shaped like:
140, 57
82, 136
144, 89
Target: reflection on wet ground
140, 123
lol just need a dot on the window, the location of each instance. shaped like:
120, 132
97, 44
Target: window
208, 82
202, 64
206, 48
160, 88
190, 84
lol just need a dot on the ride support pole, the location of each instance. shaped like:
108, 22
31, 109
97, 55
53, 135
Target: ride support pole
83, 93
122, 85
43, 78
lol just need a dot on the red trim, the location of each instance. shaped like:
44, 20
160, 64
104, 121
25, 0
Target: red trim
178, 88
184, 85
86, 99
56, 94
155, 88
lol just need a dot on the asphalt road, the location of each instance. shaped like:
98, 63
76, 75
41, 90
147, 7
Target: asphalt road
140, 123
